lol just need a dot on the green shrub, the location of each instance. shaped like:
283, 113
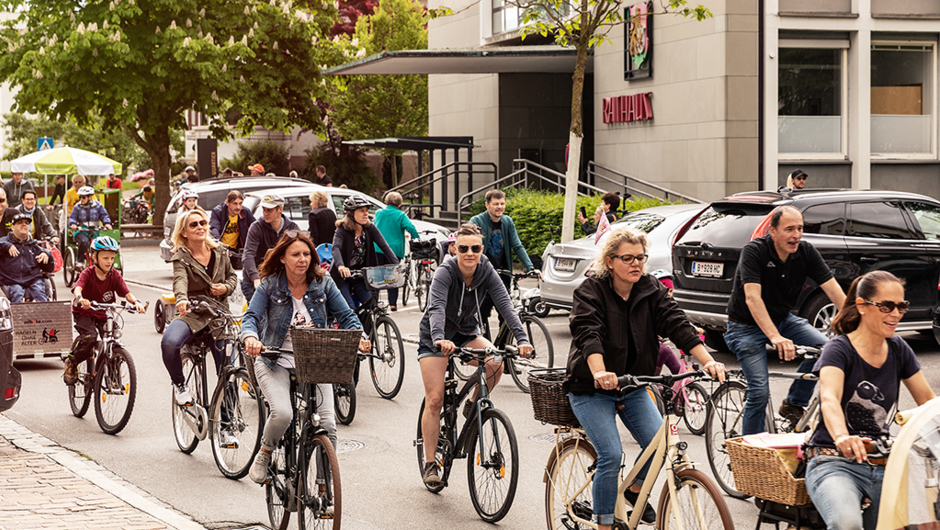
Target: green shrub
344, 165
274, 157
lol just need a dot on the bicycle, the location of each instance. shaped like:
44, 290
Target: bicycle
303, 474
424, 262
109, 374
543, 354
726, 416
71, 267
689, 499
691, 398
487, 439
233, 418
387, 358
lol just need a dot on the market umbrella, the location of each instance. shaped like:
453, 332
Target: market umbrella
65, 160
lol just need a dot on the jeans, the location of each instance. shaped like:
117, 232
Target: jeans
176, 335
88, 330
596, 412
35, 290
275, 385
749, 344
837, 485
83, 239
392, 291
357, 287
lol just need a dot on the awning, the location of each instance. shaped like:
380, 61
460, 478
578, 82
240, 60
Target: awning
416, 143
496, 60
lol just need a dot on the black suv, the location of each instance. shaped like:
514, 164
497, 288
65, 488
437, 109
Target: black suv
10, 379
855, 231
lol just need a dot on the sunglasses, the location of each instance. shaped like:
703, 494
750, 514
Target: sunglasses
201, 222
800, 178
887, 306
3, 200
463, 249
292, 234
628, 259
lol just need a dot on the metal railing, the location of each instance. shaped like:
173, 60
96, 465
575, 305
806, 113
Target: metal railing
635, 186
423, 183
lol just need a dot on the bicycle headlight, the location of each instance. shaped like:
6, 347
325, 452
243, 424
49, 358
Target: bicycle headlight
116, 333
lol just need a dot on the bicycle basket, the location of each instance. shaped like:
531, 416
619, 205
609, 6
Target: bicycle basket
384, 277
549, 400
325, 355
761, 472
423, 249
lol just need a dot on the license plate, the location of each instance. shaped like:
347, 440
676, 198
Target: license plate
562, 264
704, 268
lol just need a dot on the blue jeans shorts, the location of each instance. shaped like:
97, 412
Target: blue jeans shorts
459, 339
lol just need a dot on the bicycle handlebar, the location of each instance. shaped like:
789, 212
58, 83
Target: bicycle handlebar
479, 354
628, 383
123, 304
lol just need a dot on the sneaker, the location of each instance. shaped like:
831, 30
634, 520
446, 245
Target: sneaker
649, 514
393, 307
259, 469
791, 413
227, 439
432, 474
71, 372
181, 394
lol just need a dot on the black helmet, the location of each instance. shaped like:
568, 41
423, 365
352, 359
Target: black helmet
354, 202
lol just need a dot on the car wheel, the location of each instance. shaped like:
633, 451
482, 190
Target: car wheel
715, 339
820, 311
537, 306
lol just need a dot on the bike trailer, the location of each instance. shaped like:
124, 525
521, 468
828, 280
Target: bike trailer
42, 329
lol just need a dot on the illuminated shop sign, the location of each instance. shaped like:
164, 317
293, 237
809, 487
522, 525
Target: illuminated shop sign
626, 109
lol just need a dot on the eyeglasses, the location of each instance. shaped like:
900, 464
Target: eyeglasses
463, 249
201, 222
887, 306
628, 259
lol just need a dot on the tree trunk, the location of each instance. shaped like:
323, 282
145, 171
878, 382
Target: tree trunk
158, 147
394, 163
575, 137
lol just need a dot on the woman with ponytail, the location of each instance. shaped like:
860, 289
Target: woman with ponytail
860, 371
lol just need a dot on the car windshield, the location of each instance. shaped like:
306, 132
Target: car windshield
725, 225
642, 221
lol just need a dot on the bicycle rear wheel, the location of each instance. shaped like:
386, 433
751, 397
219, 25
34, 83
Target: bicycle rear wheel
443, 454
388, 372
725, 420
80, 393
694, 400
159, 316
115, 391
699, 504
543, 354
277, 490
186, 439
423, 290
320, 495
493, 473
69, 272
344, 401
570, 469
406, 289
237, 422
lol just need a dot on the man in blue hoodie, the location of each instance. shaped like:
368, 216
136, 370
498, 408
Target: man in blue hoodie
500, 241
22, 262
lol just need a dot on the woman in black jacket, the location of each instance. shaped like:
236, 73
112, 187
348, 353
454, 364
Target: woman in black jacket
615, 323
321, 221
353, 249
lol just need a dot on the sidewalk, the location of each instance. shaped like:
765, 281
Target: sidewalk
46, 486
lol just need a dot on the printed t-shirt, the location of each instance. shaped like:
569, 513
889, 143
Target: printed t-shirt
230, 236
102, 291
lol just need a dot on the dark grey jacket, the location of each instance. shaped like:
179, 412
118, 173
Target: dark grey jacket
15, 191
454, 308
261, 238
343, 243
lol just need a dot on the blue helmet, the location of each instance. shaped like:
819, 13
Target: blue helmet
105, 243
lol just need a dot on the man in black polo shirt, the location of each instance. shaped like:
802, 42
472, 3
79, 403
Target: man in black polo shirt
767, 284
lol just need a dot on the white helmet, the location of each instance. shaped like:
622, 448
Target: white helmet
86, 190
188, 194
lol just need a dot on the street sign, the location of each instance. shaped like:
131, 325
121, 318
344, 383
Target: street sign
43, 144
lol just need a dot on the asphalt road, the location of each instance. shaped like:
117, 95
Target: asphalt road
380, 477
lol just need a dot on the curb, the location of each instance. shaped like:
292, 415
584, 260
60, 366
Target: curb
89, 470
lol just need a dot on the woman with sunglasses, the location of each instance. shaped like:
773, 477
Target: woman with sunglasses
860, 371
354, 245
200, 267
452, 320
294, 292
616, 321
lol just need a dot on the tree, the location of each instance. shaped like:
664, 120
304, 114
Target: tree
349, 13
141, 69
384, 106
585, 24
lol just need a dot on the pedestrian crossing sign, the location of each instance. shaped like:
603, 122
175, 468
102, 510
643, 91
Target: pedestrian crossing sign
45, 143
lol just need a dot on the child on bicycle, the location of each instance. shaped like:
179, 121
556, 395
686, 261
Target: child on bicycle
98, 283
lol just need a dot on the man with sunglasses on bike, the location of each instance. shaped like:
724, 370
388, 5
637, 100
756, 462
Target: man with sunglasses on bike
263, 234
767, 284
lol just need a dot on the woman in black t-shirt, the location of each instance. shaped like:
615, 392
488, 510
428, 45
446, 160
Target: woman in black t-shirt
860, 372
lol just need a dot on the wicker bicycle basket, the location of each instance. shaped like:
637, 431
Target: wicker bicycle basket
424, 249
325, 355
761, 472
549, 400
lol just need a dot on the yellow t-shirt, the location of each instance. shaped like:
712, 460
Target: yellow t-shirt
71, 199
230, 236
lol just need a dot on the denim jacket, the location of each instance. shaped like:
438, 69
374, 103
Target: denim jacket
272, 307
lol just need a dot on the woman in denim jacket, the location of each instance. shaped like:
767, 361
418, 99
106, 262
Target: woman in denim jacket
294, 291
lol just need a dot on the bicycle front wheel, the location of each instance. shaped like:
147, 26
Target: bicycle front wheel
80, 393
694, 399
185, 437
277, 490
569, 495
543, 354
69, 272
423, 290
344, 401
493, 466
237, 421
115, 391
725, 420
699, 505
388, 371
319, 495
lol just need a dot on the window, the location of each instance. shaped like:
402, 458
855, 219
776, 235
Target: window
509, 16
879, 220
928, 217
811, 101
902, 94
824, 219
297, 208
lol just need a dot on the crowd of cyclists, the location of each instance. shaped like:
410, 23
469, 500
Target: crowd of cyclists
618, 319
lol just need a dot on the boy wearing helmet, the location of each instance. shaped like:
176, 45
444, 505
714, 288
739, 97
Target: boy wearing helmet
22, 262
87, 213
188, 201
99, 284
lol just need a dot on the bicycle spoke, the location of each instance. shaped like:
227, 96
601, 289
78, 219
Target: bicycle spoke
493, 470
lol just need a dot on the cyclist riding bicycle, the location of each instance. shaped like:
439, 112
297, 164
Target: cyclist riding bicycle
452, 320
353, 249
188, 201
294, 292
22, 262
88, 213
99, 283
615, 323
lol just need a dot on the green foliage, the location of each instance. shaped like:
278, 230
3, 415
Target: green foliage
344, 165
273, 156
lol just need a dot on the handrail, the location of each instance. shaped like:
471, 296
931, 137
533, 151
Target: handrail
594, 166
461, 206
444, 173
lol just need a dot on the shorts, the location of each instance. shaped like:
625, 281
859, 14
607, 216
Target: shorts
459, 339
